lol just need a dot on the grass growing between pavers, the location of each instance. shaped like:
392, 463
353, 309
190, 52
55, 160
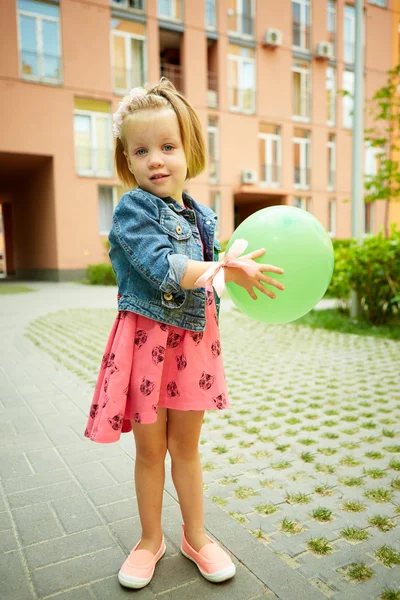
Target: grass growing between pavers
312, 434
6, 288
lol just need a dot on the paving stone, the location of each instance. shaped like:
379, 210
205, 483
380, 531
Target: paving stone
14, 581
110, 588
113, 493
14, 466
76, 513
5, 521
81, 593
92, 476
36, 523
8, 541
43, 494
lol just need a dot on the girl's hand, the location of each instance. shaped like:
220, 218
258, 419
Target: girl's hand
239, 277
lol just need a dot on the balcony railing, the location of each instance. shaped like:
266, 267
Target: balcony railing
301, 36
41, 67
135, 4
94, 161
212, 90
302, 177
174, 73
242, 99
213, 170
126, 79
270, 175
240, 24
211, 14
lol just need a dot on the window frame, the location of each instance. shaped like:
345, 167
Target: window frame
241, 60
114, 199
128, 58
216, 196
332, 106
305, 157
349, 14
39, 18
332, 16
269, 140
305, 91
331, 145
214, 130
305, 203
332, 217
378, 3
239, 11
174, 17
125, 5
93, 172
347, 109
303, 26
212, 5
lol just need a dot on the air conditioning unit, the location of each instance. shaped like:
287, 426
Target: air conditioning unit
324, 50
249, 176
273, 37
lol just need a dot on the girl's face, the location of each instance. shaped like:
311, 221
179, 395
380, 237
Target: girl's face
154, 151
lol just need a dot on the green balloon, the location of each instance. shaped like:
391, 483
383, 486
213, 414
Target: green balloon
296, 242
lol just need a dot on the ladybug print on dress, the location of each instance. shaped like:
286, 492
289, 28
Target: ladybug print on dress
158, 354
105, 386
181, 362
93, 410
163, 326
206, 381
173, 339
220, 401
140, 338
172, 389
196, 336
146, 387
116, 421
154, 407
216, 348
137, 418
104, 360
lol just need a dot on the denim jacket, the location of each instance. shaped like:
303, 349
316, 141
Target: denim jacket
151, 241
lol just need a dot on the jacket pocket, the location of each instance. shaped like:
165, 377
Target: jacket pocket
171, 224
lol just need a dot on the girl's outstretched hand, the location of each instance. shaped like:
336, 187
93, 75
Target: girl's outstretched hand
238, 276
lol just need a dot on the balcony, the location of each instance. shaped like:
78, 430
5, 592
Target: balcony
129, 4
126, 79
174, 73
302, 177
212, 90
240, 25
301, 37
94, 162
270, 175
213, 170
37, 66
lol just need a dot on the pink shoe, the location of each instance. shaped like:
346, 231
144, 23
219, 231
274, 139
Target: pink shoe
213, 562
138, 569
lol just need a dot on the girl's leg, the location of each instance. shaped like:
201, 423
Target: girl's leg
151, 448
183, 432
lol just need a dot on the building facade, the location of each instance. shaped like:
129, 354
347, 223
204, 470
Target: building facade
263, 76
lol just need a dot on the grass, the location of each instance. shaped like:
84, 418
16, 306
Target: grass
388, 556
379, 495
354, 506
340, 321
359, 572
353, 534
319, 545
266, 509
381, 523
6, 289
389, 594
245, 492
291, 527
322, 514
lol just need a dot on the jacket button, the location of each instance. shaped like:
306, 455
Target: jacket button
178, 229
208, 222
167, 296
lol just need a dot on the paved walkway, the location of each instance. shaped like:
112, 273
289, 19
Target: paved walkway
67, 510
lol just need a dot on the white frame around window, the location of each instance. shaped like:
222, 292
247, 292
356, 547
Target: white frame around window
331, 18
239, 13
303, 203
331, 147
369, 206
348, 100
269, 140
114, 204
171, 16
305, 162
216, 197
305, 92
39, 18
349, 15
332, 217
125, 4
380, 3
210, 9
94, 172
330, 85
304, 4
128, 58
214, 131
241, 61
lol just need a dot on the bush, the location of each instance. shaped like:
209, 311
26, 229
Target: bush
101, 274
340, 287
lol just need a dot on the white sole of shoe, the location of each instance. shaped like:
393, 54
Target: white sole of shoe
137, 582
218, 576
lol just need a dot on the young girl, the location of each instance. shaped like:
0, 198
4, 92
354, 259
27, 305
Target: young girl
162, 366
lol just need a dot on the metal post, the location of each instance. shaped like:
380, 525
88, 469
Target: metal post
357, 191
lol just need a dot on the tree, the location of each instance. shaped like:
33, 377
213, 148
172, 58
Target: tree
384, 136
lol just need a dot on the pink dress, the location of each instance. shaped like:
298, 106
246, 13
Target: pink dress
147, 365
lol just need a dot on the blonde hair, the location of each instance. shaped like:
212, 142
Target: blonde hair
165, 95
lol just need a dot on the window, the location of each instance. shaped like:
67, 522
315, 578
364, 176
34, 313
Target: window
135, 4
242, 79
170, 9
301, 91
331, 96
270, 155
382, 3
211, 14
301, 24
369, 214
213, 150
304, 203
107, 203
215, 205
331, 146
332, 217
348, 99
241, 20
93, 138
128, 55
373, 157
331, 24
349, 33
39, 41
302, 158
